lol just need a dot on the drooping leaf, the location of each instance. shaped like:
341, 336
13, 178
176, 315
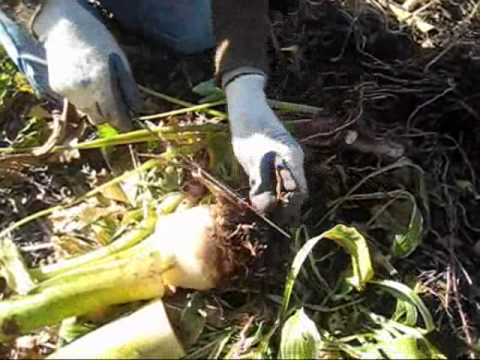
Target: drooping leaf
352, 241
355, 245
406, 242
85, 226
300, 337
405, 293
402, 220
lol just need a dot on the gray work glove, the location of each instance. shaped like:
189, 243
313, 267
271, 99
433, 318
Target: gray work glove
269, 155
85, 63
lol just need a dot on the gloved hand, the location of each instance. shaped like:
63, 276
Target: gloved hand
85, 63
269, 155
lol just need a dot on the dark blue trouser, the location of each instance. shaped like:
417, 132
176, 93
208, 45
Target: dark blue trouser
184, 25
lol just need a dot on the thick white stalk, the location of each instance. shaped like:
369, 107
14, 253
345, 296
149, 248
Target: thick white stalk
146, 333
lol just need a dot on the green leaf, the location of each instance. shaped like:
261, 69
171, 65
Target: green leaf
300, 337
476, 349
404, 293
351, 240
106, 131
222, 342
209, 90
405, 243
356, 245
405, 313
12, 82
390, 340
222, 159
402, 220
189, 321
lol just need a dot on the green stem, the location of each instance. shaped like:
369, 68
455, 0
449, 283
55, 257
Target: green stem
131, 238
118, 282
125, 242
193, 108
91, 268
293, 107
275, 104
176, 101
132, 137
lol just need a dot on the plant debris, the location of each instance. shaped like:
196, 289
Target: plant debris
383, 95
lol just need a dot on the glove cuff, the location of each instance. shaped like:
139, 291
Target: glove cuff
241, 71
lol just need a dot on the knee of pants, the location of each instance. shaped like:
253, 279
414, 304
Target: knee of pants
183, 25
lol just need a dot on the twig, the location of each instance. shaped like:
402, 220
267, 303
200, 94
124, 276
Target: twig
242, 342
211, 182
37, 247
461, 312
60, 122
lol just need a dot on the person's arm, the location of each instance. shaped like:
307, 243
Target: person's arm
269, 155
241, 30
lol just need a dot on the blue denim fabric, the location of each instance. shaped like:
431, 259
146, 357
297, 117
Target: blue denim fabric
184, 25
27, 54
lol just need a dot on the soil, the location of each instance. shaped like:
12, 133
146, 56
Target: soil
372, 76
413, 100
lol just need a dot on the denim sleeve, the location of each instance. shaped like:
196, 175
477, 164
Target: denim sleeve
27, 54
183, 25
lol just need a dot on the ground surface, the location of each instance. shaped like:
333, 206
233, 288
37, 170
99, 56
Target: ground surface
411, 101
